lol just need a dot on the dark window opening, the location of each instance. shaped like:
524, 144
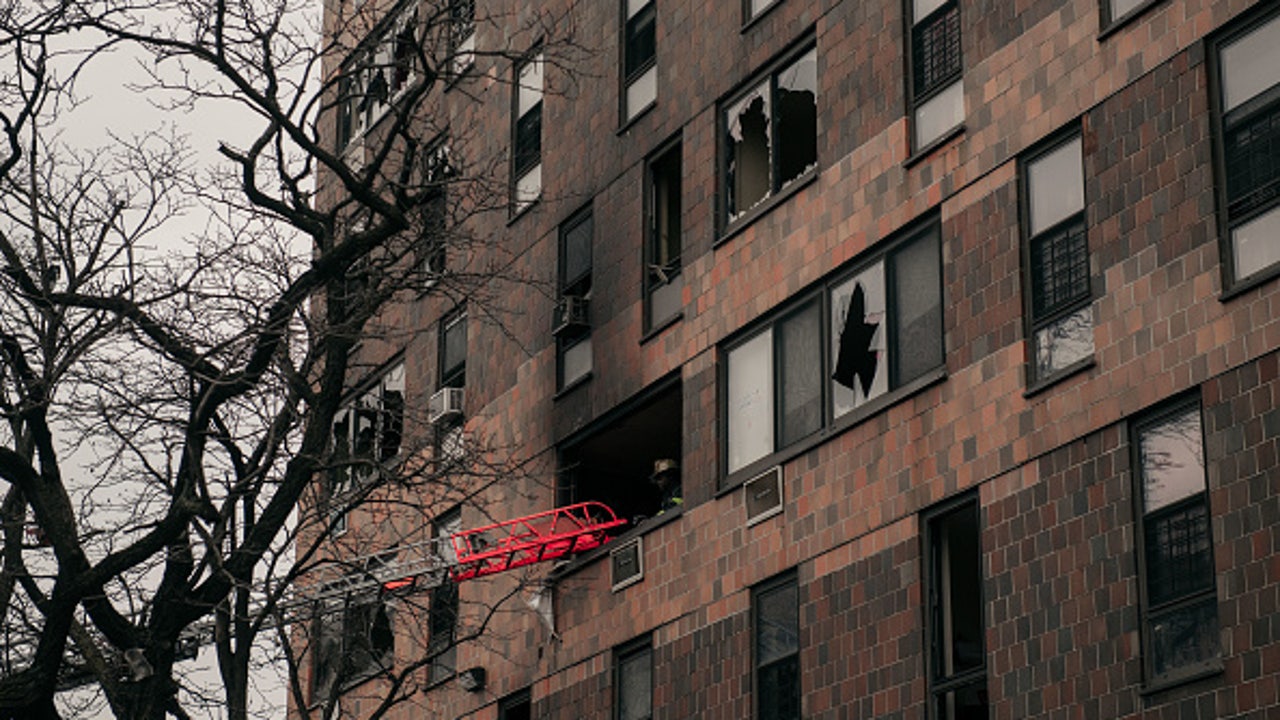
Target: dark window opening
771, 135
1179, 596
641, 39
517, 706
663, 286
616, 464
957, 659
354, 641
367, 430
776, 608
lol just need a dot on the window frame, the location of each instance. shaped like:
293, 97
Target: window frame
350, 127
511, 702
787, 580
445, 598
630, 77
670, 152
1034, 322
579, 285
1208, 593
342, 480
778, 192
340, 609
641, 647
1249, 22
917, 97
927, 229
519, 172
940, 684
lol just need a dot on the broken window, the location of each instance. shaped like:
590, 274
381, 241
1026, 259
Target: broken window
640, 51
376, 74
1060, 310
462, 17
1180, 605
776, 609
438, 172
1248, 115
957, 660
353, 641
663, 288
883, 330
442, 621
615, 463
771, 134
572, 326
527, 132
936, 91
367, 431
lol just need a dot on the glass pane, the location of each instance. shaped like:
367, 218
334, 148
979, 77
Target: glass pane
917, 309
968, 702
1172, 457
800, 354
797, 135
642, 91
530, 91
780, 690
1055, 182
1178, 553
751, 401
529, 187
777, 623
1251, 64
939, 114
577, 361
1119, 8
635, 687
576, 251
935, 51
1255, 245
454, 358
1064, 342
758, 6
666, 300
1183, 637
1059, 268
528, 151
859, 348
957, 614
920, 9
641, 44
747, 142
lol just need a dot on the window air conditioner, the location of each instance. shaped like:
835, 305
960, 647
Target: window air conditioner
571, 315
763, 495
445, 404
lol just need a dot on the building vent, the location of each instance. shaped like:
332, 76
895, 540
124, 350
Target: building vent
626, 563
763, 495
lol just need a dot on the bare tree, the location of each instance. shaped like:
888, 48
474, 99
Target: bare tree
171, 398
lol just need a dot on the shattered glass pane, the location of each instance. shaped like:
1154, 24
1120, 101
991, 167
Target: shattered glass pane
747, 125
751, 401
859, 333
1064, 342
798, 118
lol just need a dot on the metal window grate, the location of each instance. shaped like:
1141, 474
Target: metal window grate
935, 46
1253, 160
1060, 267
1178, 552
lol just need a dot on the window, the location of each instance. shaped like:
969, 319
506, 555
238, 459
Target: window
639, 56
614, 460
442, 620
633, 680
462, 20
1180, 607
936, 91
377, 73
453, 351
862, 335
775, 606
755, 8
663, 239
516, 706
572, 317
354, 641
446, 406
1058, 296
770, 133
527, 141
957, 661
1248, 104
1120, 9
438, 172
367, 431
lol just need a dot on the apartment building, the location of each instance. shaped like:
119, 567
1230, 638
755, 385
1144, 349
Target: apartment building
958, 323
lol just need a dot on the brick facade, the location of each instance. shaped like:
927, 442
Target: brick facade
1052, 466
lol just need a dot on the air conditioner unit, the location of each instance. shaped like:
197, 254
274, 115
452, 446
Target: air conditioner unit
626, 564
445, 404
571, 315
763, 495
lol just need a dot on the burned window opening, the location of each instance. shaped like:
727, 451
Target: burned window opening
957, 659
377, 75
616, 465
354, 640
367, 431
